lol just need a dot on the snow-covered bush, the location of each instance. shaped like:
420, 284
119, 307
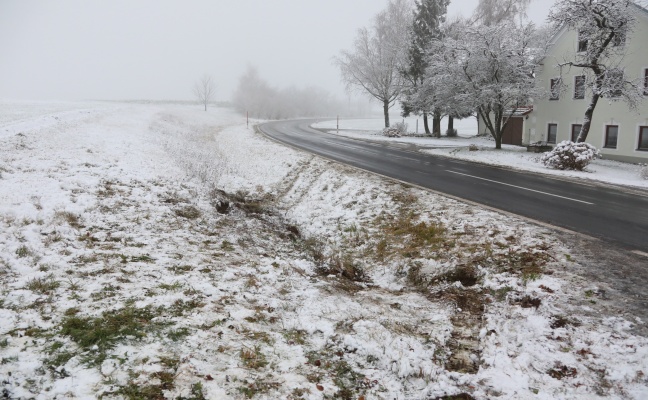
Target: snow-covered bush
396, 130
451, 133
644, 171
391, 132
570, 155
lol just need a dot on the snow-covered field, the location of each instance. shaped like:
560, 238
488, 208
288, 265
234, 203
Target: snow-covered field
517, 157
160, 251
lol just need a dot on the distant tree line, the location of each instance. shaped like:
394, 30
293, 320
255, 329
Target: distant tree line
259, 99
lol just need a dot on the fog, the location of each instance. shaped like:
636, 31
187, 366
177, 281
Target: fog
157, 49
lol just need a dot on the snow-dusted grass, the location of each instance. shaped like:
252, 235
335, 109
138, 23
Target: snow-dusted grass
600, 170
119, 277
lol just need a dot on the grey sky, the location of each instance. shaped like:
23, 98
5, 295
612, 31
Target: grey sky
157, 49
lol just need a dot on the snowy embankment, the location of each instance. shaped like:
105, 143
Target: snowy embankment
483, 151
158, 251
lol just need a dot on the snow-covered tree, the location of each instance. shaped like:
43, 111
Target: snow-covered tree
379, 55
488, 69
254, 95
493, 12
204, 90
428, 17
602, 27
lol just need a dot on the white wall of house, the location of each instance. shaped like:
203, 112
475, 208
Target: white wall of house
567, 111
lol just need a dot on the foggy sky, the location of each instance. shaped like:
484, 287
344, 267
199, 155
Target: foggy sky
157, 49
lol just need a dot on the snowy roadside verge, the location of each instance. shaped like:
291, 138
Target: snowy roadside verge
121, 278
483, 151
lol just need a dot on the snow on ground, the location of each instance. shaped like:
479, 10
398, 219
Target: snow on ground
160, 251
466, 127
516, 157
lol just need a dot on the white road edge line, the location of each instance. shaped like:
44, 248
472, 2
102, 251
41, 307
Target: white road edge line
640, 253
521, 187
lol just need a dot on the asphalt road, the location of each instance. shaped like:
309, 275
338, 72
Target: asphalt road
607, 213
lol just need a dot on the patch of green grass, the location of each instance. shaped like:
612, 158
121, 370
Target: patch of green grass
420, 233
407, 236
259, 336
196, 393
143, 258
180, 307
178, 334
251, 389
137, 391
347, 380
253, 358
70, 312
105, 331
404, 197
106, 189
315, 249
72, 219
8, 360
44, 285
86, 259
173, 287
227, 246
295, 336
23, 251
58, 359
106, 291
251, 282
180, 269
500, 294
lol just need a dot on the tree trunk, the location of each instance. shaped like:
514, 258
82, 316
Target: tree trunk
450, 124
436, 125
425, 123
587, 122
205, 106
386, 111
499, 114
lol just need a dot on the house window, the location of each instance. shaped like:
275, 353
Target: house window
582, 42
555, 89
611, 136
643, 138
579, 87
552, 132
576, 128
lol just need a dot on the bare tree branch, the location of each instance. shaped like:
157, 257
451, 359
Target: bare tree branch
204, 90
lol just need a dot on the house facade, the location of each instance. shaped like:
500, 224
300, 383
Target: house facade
619, 133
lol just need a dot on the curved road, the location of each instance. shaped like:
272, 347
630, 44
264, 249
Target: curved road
607, 213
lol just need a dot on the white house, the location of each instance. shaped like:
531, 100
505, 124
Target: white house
619, 133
